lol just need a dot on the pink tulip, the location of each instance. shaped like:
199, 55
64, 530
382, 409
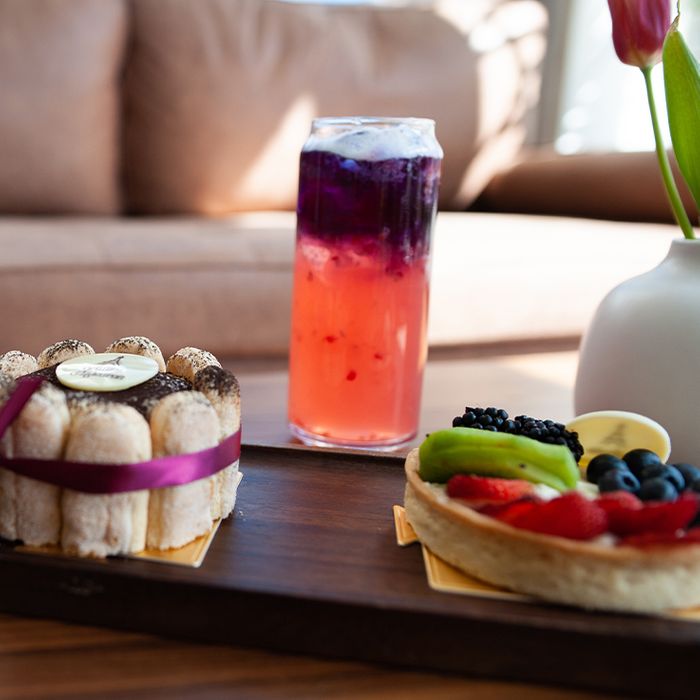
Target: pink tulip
639, 29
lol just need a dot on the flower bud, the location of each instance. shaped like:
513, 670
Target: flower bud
639, 29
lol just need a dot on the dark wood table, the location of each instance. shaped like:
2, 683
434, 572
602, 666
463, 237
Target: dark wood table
45, 658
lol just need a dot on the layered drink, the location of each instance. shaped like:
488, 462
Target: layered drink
367, 201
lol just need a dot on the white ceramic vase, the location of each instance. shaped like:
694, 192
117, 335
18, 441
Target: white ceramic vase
641, 352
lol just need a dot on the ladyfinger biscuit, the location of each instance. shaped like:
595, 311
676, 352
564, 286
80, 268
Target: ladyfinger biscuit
62, 351
181, 423
15, 364
96, 524
40, 432
186, 362
138, 345
8, 479
223, 392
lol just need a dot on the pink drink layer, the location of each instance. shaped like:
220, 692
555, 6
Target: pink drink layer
360, 303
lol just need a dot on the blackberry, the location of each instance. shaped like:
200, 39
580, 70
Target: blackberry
496, 419
550, 431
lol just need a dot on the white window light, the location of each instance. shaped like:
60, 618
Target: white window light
602, 103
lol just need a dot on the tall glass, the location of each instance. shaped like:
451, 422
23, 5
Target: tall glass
367, 202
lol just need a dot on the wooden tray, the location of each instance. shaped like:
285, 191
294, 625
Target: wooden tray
310, 564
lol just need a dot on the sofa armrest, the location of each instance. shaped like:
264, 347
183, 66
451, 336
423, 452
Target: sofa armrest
619, 186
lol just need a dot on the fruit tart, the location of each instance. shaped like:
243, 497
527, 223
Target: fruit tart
126, 407
509, 504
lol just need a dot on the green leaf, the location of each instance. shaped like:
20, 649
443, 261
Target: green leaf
682, 82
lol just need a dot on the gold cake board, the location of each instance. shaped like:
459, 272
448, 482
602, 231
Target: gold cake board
446, 578
192, 554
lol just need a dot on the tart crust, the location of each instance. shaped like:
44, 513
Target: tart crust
585, 574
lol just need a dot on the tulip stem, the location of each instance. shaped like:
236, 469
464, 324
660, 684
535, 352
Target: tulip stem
671, 190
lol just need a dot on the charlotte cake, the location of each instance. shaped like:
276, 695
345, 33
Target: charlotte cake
189, 405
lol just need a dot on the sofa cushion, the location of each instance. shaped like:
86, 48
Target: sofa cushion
60, 62
220, 93
625, 186
222, 285
225, 285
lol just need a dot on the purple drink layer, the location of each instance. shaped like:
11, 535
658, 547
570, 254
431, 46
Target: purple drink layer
383, 207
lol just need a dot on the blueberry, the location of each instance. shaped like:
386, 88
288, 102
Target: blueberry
618, 480
485, 419
657, 489
690, 472
638, 459
457, 421
509, 426
664, 471
601, 464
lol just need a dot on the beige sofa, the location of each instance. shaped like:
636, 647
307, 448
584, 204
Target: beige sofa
150, 150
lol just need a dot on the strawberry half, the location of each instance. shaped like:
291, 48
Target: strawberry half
652, 517
664, 539
619, 500
572, 516
486, 489
507, 512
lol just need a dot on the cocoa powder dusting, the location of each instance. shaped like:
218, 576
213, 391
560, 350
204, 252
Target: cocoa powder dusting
142, 397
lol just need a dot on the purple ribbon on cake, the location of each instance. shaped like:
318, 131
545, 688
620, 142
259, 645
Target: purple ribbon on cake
90, 477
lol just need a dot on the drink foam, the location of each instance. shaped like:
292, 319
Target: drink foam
373, 143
